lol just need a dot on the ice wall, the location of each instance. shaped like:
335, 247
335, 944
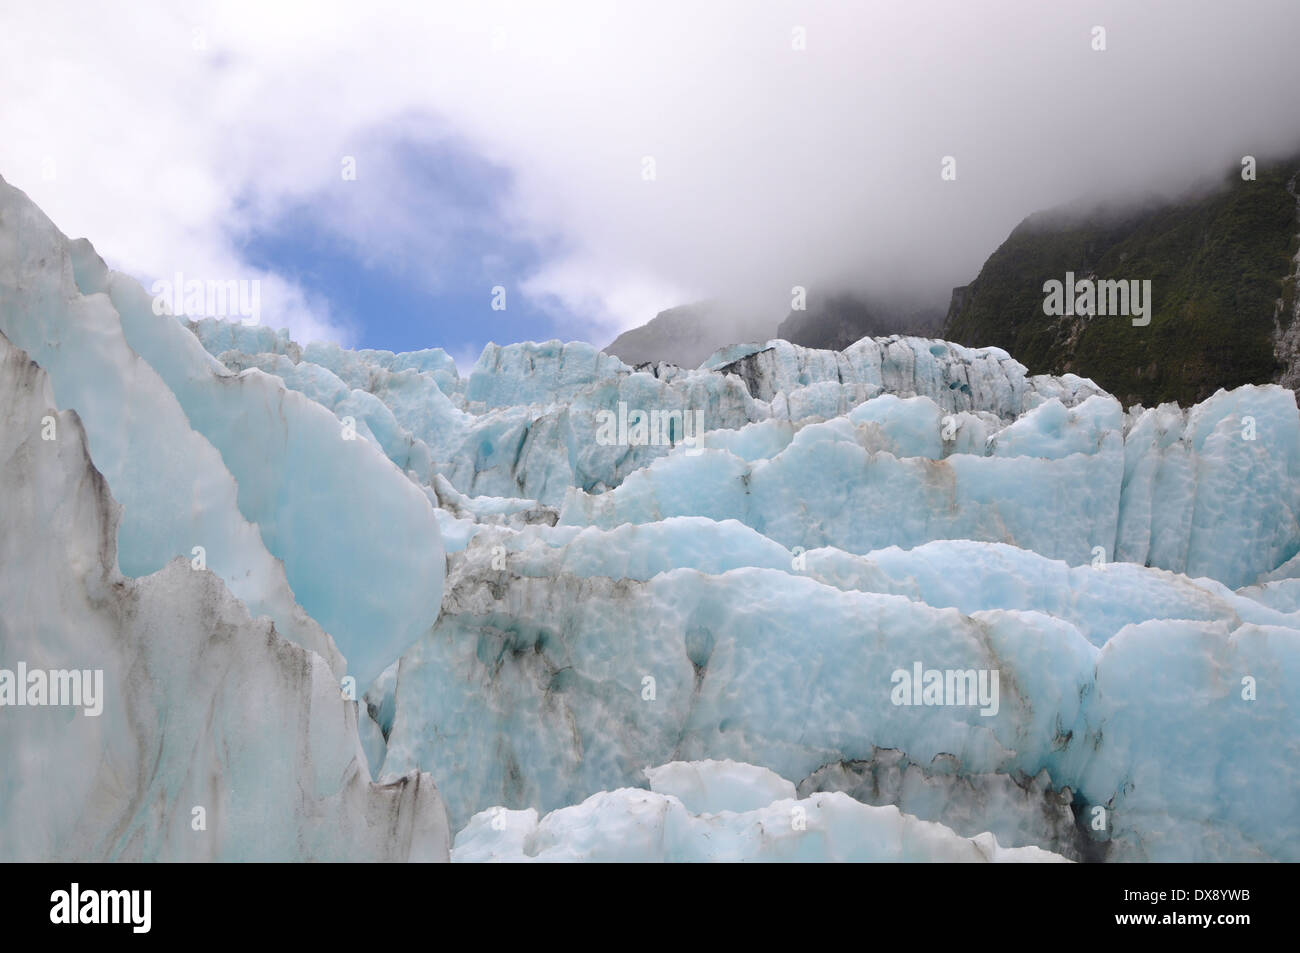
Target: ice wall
209, 736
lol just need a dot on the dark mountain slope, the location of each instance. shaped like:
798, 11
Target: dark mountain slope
1219, 265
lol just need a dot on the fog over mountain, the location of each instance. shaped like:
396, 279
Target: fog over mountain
793, 143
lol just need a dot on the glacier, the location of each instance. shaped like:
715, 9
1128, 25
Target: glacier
723, 812
357, 605
218, 740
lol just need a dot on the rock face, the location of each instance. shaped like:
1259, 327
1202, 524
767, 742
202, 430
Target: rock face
1286, 330
684, 336
1222, 266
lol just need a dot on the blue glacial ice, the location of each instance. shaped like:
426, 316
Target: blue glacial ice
571, 647
723, 811
257, 475
215, 737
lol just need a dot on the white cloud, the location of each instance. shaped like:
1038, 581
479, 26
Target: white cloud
608, 297
775, 166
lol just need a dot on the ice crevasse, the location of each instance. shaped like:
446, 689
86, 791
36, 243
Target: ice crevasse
568, 648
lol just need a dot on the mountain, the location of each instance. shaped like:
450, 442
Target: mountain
684, 336
929, 604
688, 335
1223, 270
836, 321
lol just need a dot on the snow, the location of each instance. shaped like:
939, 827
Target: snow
636, 825
711, 787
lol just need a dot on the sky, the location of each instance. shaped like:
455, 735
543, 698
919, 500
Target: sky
600, 162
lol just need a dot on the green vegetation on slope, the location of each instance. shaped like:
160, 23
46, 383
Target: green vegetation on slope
1217, 265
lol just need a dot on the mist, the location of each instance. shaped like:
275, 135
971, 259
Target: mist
791, 144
